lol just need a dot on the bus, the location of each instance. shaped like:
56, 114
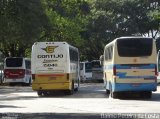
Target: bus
55, 66
130, 66
158, 67
85, 71
17, 70
97, 71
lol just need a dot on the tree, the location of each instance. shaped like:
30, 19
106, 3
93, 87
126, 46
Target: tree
68, 19
21, 22
111, 19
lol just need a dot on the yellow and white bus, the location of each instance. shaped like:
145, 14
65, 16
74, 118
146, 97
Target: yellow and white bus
130, 66
55, 66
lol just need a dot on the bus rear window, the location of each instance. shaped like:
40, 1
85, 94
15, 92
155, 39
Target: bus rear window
14, 62
134, 47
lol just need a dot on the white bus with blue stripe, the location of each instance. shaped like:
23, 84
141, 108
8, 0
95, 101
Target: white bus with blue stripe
130, 66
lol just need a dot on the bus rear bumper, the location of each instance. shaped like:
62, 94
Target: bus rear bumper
19, 80
134, 87
51, 86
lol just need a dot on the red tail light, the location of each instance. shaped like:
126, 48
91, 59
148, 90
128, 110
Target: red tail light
33, 76
67, 76
156, 73
14, 73
114, 70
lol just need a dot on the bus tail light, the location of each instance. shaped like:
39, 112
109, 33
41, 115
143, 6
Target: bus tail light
14, 73
33, 76
156, 73
67, 76
114, 70
114, 73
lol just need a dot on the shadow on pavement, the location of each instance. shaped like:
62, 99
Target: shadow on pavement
9, 106
85, 91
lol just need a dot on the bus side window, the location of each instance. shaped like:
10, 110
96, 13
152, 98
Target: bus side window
108, 53
101, 60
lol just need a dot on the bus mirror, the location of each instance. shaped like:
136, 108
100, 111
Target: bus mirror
101, 60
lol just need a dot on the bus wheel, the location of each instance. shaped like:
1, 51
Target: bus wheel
76, 89
39, 93
147, 94
107, 91
114, 95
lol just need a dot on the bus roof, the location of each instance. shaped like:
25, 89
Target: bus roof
127, 37
56, 43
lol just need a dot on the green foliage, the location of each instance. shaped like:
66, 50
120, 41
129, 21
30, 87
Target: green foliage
21, 22
86, 24
112, 18
68, 19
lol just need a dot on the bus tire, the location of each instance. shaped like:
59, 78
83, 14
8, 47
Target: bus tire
39, 93
107, 91
46, 93
147, 94
76, 89
113, 94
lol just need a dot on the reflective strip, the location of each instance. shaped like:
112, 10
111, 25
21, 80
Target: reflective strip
50, 74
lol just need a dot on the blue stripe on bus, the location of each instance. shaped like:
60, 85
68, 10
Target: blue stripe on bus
130, 66
125, 66
123, 75
134, 87
149, 66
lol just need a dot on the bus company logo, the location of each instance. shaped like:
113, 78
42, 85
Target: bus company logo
49, 49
